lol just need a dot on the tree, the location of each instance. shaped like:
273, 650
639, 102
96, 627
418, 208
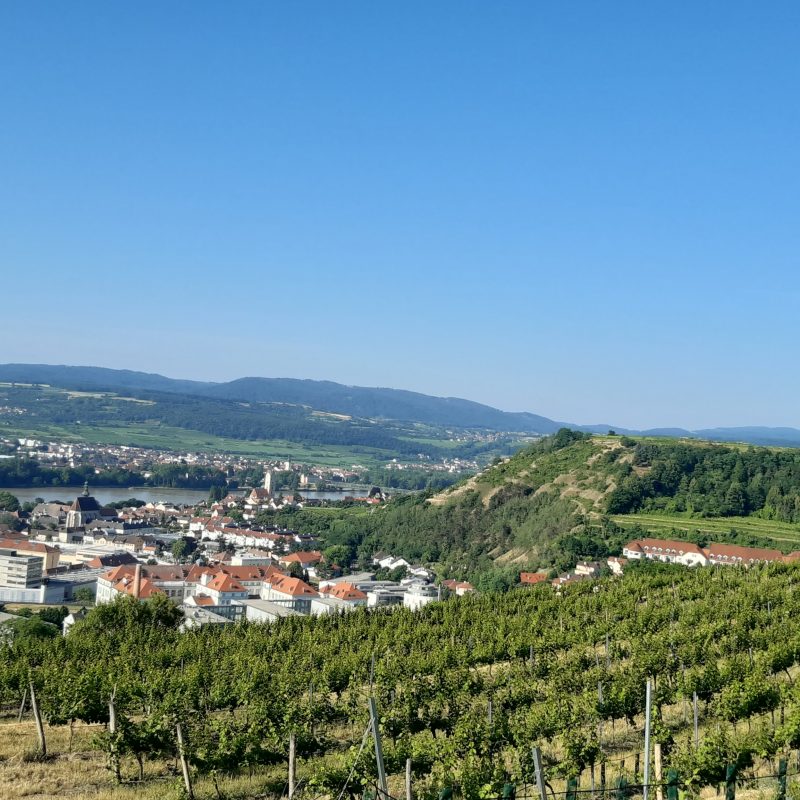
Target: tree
55, 616
295, 570
11, 521
29, 629
338, 554
8, 502
83, 595
498, 579
183, 548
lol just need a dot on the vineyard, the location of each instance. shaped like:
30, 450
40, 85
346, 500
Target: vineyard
465, 690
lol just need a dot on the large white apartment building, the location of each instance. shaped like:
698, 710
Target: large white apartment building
19, 571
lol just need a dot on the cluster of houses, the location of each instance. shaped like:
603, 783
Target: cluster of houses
668, 551
227, 592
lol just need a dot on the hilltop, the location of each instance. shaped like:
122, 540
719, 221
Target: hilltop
575, 495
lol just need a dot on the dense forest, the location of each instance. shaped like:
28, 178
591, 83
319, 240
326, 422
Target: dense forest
564, 672
710, 481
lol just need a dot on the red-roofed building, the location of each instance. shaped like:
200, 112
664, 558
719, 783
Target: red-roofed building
289, 591
302, 557
221, 591
735, 554
532, 578
459, 588
168, 580
616, 564
692, 555
250, 576
667, 550
347, 593
25, 547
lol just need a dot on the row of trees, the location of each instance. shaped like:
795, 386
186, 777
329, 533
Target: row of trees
30, 472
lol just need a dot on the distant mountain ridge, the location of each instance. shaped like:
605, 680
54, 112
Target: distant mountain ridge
360, 401
336, 398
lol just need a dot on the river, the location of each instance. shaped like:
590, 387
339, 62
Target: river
150, 494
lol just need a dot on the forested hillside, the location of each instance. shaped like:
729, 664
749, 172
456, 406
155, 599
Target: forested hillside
357, 401
710, 481
551, 504
34, 408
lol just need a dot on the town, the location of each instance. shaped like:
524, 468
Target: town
219, 565
141, 461
236, 569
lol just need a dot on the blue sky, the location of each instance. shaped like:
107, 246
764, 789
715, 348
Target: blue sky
584, 210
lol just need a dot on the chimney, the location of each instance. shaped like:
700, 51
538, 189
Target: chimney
137, 581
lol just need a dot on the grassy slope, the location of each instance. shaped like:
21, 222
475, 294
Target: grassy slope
575, 472
784, 534
584, 473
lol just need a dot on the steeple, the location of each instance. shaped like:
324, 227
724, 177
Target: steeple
268, 481
86, 489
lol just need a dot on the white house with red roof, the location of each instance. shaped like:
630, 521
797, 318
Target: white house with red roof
220, 594
691, 555
345, 592
289, 591
142, 582
459, 588
667, 550
616, 564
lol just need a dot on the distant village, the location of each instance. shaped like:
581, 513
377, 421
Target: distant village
240, 570
140, 459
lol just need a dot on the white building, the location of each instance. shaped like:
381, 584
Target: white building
18, 571
667, 550
291, 592
266, 611
419, 595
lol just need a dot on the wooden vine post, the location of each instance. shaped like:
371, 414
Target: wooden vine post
112, 733
38, 718
187, 778
292, 751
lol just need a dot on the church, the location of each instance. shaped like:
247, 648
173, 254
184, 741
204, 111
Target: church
259, 497
86, 509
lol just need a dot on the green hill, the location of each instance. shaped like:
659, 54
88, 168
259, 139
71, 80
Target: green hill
336, 398
147, 417
573, 496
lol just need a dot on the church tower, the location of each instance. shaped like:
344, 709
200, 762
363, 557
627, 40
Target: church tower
268, 481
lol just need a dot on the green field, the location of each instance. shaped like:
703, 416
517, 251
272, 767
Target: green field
784, 534
163, 437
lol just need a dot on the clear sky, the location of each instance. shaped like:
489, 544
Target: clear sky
586, 210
